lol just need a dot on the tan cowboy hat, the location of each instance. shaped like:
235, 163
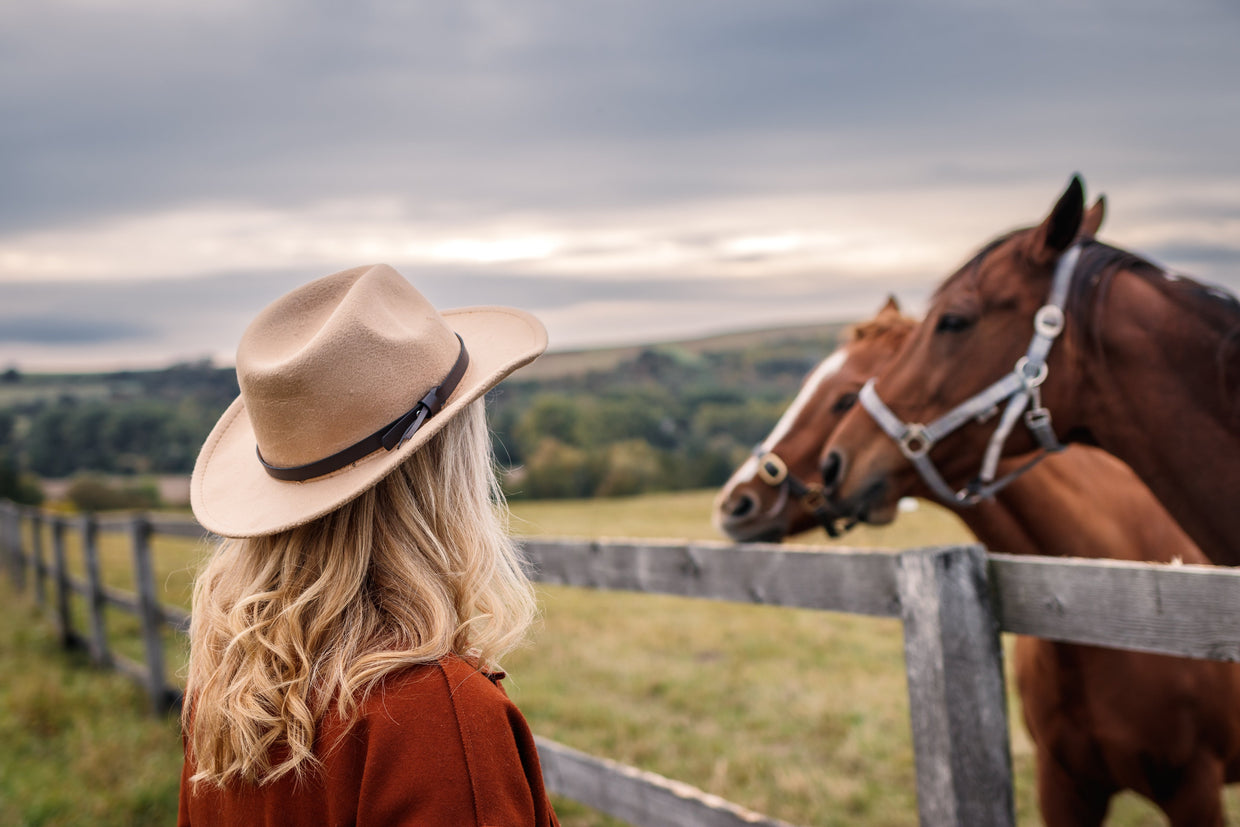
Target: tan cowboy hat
341, 381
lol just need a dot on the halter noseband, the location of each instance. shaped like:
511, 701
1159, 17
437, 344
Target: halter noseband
773, 471
1020, 388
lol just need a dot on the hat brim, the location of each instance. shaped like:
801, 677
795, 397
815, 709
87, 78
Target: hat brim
233, 496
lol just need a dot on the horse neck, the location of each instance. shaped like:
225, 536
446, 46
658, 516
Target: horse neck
1035, 515
1162, 373
1080, 504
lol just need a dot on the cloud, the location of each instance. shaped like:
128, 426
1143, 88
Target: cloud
666, 160
66, 331
486, 107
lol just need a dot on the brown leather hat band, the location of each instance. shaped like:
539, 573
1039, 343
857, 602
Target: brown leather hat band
389, 437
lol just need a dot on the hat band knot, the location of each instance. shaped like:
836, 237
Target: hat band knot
389, 437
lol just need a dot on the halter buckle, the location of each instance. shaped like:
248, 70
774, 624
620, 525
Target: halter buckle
914, 443
1048, 321
1037, 418
771, 469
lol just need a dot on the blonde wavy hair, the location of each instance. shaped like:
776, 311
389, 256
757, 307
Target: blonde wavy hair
290, 628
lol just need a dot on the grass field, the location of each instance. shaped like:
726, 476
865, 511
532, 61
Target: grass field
802, 715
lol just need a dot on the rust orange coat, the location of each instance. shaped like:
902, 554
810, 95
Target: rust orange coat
439, 745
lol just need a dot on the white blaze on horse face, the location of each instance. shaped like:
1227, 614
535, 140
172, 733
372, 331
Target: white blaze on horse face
828, 368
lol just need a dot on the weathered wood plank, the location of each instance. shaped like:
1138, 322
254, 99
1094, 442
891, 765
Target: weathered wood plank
637, 796
957, 703
112, 523
38, 562
858, 582
10, 546
176, 618
149, 611
11, 536
95, 603
131, 669
178, 527
127, 602
77, 585
168, 525
1192, 611
60, 575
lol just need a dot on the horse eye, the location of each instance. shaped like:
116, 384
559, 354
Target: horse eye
844, 403
953, 323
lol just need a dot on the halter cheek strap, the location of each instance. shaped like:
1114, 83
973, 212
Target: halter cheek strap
1020, 389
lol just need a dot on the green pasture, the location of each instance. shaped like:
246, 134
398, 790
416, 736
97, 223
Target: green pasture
801, 715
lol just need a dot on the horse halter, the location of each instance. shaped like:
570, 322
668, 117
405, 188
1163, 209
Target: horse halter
1020, 388
773, 471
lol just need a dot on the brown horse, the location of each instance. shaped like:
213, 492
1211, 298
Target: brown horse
1101, 720
1147, 367
764, 499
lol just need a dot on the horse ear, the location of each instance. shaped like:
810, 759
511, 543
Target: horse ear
1060, 228
890, 306
1093, 218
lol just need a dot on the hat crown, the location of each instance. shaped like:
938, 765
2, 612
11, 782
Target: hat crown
338, 359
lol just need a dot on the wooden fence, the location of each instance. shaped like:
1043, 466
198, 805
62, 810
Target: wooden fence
953, 602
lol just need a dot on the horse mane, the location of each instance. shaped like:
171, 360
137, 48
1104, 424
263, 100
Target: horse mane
1208, 305
1100, 262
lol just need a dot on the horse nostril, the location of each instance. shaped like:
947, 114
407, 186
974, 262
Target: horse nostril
831, 470
743, 506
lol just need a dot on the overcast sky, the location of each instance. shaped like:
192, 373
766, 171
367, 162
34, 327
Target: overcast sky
629, 170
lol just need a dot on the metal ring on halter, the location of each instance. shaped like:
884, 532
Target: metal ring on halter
1022, 370
1048, 321
914, 443
771, 469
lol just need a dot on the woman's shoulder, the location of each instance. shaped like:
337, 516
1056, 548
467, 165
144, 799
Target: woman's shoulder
451, 682
449, 698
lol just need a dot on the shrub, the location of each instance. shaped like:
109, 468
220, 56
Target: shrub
93, 493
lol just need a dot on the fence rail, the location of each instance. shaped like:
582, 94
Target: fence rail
953, 602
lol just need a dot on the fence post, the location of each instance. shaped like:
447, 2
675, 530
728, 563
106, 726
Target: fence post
94, 579
151, 616
60, 572
21, 560
36, 554
11, 542
8, 515
957, 701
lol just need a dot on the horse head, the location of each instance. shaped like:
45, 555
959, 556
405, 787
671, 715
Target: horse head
938, 404
766, 498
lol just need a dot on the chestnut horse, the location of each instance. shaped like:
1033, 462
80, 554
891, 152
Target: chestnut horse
1147, 367
1101, 720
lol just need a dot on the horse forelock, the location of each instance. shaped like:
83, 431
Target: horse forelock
880, 327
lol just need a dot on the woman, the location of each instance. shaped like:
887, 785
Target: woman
346, 634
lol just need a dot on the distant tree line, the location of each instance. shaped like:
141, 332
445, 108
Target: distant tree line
127, 423
670, 418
